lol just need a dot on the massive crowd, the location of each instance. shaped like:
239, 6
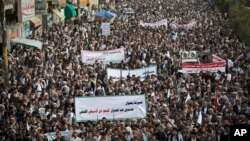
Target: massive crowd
50, 78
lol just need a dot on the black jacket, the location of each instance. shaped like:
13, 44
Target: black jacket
161, 136
236, 110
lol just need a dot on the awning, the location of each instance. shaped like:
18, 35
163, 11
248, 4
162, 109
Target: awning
84, 2
53, 1
69, 11
28, 42
58, 13
36, 21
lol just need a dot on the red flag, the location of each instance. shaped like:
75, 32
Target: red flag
239, 58
217, 103
217, 59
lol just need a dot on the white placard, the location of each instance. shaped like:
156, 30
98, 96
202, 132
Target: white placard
114, 56
110, 107
117, 74
155, 24
105, 29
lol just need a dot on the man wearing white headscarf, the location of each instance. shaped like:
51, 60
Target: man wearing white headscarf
128, 134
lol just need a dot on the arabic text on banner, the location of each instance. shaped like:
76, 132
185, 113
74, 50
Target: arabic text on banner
111, 107
114, 56
27, 9
197, 68
155, 24
117, 74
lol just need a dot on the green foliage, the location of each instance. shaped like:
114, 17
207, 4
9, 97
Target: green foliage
239, 17
223, 5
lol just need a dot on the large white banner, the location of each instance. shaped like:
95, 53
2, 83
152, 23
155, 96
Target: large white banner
27, 9
117, 74
209, 67
155, 24
191, 24
115, 56
110, 107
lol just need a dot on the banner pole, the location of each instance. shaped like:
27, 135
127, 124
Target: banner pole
120, 75
138, 112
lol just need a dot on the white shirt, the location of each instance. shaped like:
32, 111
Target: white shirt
229, 77
248, 110
144, 137
238, 70
174, 139
75, 139
230, 63
218, 138
38, 87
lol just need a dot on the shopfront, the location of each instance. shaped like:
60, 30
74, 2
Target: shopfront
14, 31
57, 15
55, 12
30, 22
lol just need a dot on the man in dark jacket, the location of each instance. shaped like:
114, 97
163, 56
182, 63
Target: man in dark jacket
160, 134
116, 136
237, 107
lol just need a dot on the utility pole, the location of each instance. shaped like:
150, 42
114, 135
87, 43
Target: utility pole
79, 9
4, 44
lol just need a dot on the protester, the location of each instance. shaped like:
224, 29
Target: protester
43, 83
